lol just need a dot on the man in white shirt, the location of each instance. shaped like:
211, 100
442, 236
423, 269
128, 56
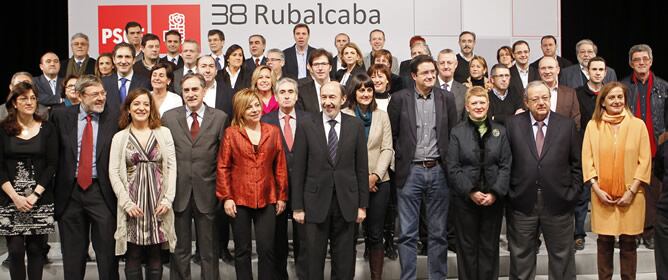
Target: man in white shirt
189, 53
173, 44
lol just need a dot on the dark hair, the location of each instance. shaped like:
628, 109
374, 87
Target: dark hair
232, 49
382, 52
421, 59
169, 70
132, 24
64, 84
318, 53
520, 42
97, 63
497, 66
466, 32
172, 32
264, 41
216, 32
123, 45
380, 68
498, 53
126, 119
548, 37
300, 25
202, 80
149, 37
10, 124
356, 82
596, 58
377, 30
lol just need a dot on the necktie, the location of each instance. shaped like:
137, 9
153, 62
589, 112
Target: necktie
332, 140
257, 62
52, 83
85, 170
540, 138
194, 128
190, 71
79, 64
123, 89
218, 67
287, 132
174, 60
446, 87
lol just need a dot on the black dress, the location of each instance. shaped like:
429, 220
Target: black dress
25, 164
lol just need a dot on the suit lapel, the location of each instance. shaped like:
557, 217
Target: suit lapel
343, 131
101, 133
208, 121
73, 130
412, 119
553, 125
181, 119
561, 103
320, 127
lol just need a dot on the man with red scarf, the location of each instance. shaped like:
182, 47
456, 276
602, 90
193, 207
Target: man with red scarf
647, 99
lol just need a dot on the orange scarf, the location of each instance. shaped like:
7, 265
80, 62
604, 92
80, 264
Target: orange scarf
611, 161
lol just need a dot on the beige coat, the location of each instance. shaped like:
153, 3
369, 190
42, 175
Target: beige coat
118, 176
379, 145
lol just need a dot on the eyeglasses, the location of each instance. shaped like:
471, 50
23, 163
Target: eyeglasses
78, 44
69, 86
274, 59
24, 99
95, 94
545, 98
641, 59
586, 52
320, 64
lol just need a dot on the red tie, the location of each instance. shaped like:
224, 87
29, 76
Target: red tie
287, 132
194, 128
85, 172
257, 62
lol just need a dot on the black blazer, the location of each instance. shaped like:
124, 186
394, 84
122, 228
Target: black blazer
308, 97
316, 177
405, 68
272, 118
224, 95
291, 67
563, 63
404, 128
516, 81
557, 171
358, 69
110, 84
243, 80
89, 62
65, 121
47, 97
249, 63
178, 65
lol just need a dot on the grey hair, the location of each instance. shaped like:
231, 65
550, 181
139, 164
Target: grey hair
640, 48
278, 51
21, 73
534, 84
79, 35
585, 42
446, 51
287, 80
86, 81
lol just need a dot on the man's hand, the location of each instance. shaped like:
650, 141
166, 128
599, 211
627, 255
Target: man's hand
361, 215
298, 215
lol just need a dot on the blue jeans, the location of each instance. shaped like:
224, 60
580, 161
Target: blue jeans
431, 183
581, 210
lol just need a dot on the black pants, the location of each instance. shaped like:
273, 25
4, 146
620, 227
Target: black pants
87, 213
222, 229
478, 229
375, 215
661, 245
20, 245
264, 220
281, 246
652, 194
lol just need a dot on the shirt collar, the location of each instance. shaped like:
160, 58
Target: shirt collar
418, 96
129, 76
326, 119
292, 114
200, 112
545, 121
82, 114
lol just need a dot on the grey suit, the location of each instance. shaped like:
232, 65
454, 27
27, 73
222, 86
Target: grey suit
459, 92
572, 76
195, 188
46, 96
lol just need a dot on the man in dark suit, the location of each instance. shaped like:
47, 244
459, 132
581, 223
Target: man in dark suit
217, 94
80, 63
85, 202
503, 101
151, 48
197, 130
297, 56
421, 119
545, 184
256, 45
49, 84
466, 46
563, 99
120, 83
331, 186
189, 53
522, 73
173, 44
216, 40
548, 44
275, 61
289, 120
340, 40
576, 75
309, 89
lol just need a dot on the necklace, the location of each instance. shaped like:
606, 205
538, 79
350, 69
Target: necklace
25, 132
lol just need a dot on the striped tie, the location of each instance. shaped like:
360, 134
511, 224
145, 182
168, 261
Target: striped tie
332, 140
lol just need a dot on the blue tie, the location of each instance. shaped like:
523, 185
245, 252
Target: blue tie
332, 140
218, 67
124, 91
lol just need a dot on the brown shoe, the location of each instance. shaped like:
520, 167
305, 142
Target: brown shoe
376, 259
579, 244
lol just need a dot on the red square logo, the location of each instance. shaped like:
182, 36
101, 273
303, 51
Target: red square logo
111, 23
182, 18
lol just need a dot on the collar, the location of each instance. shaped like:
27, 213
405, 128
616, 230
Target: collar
185, 69
545, 121
259, 57
292, 114
129, 76
82, 114
200, 112
418, 96
441, 82
79, 60
521, 70
498, 93
325, 118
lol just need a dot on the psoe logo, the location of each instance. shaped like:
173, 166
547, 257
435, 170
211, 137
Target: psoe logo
183, 18
112, 20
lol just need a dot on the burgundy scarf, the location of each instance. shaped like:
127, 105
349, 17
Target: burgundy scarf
648, 109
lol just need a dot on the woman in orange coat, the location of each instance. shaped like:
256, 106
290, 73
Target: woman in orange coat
616, 160
252, 183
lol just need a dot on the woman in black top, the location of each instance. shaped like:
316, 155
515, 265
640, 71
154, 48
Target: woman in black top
27, 166
479, 162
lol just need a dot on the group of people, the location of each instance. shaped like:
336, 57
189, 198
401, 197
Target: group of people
127, 150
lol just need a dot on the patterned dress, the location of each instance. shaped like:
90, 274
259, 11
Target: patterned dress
144, 166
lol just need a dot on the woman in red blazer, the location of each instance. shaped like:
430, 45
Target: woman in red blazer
252, 183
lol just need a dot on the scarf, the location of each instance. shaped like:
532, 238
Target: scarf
648, 109
366, 119
611, 156
480, 125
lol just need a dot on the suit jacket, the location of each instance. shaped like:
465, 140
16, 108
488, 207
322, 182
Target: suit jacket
88, 65
568, 105
243, 80
563, 63
45, 96
557, 171
249, 63
224, 96
178, 65
308, 97
110, 84
459, 92
65, 120
358, 69
405, 68
378, 144
196, 158
516, 81
317, 178
291, 66
272, 118
404, 128
572, 76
